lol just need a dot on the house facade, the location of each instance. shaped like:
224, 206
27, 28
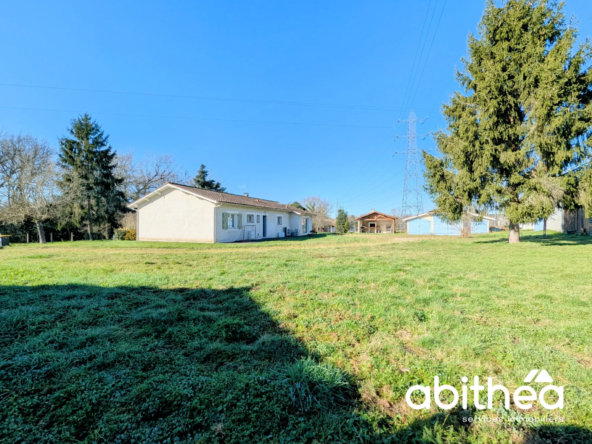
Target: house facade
431, 224
564, 221
179, 213
376, 222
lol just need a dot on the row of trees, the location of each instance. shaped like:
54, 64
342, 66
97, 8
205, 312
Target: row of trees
322, 209
518, 137
85, 187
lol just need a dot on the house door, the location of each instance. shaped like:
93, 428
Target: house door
264, 226
372, 227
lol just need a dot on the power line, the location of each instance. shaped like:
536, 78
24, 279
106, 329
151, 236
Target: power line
429, 52
219, 99
411, 74
586, 20
417, 62
356, 199
421, 53
444, 91
366, 164
197, 118
373, 201
581, 6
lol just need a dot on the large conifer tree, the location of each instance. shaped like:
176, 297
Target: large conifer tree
517, 138
89, 163
201, 181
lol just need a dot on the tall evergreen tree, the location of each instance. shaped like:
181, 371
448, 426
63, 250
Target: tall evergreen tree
341, 224
201, 181
517, 138
89, 164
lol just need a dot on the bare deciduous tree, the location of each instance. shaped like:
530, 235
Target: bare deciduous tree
10, 149
147, 175
353, 222
27, 182
399, 225
321, 209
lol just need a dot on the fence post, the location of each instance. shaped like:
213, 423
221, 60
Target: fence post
27, 237
51, 237
71, 237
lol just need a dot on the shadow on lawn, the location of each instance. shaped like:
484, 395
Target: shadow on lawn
550, 240
290, 239
81, 363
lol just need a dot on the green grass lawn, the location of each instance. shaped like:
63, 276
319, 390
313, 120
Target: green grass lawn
307, 340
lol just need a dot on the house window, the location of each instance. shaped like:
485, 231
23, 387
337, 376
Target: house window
372, 225
304, 228
231, 220
250, 218
280, 220
258, 218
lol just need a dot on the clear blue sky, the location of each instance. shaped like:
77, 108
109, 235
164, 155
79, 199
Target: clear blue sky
254, 76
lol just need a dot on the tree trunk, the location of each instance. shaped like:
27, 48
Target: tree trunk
90, 228
545, 228
41, 232
514, 237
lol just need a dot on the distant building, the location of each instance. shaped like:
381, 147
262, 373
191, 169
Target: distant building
329, 227
431, 224
181, 213
564, 221
376, 222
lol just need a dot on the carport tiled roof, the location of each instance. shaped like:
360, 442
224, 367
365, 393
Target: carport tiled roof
378, 213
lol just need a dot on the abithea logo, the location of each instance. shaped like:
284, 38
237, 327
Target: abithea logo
523, 396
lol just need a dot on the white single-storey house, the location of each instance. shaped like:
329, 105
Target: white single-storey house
181, 213
429, 223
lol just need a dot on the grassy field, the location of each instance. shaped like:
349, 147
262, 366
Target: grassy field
307, 340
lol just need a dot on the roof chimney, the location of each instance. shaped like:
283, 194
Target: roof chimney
246, 194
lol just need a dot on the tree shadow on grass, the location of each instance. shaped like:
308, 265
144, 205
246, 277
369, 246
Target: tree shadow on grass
558, 434
289, 239
82, 363
551, 239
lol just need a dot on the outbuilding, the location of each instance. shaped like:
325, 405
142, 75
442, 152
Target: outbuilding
564, 221
181, 213
431, 224
376, 222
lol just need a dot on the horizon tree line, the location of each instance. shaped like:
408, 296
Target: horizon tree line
85, 186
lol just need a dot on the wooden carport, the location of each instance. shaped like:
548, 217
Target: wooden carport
376, 222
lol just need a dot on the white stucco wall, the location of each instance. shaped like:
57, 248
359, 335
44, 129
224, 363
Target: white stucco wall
555, 221
176, 216
289, 220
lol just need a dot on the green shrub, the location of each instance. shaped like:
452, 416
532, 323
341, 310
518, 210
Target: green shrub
124, 234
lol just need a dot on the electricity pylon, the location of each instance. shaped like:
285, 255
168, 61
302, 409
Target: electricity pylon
412, 191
